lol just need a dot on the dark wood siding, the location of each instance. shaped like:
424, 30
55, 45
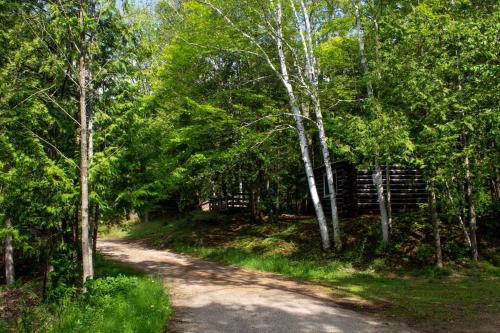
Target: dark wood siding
345, 183
356, 193
407, 190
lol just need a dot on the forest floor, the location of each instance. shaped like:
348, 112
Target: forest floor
399, 285
213, 298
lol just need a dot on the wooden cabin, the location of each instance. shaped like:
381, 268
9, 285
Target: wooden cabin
356, 194
232, 203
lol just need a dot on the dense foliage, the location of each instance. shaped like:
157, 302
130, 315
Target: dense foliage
188, 99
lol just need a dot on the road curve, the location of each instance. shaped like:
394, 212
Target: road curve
212, 298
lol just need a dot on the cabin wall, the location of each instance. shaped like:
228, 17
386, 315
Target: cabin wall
407, 190
357, 195
345, 185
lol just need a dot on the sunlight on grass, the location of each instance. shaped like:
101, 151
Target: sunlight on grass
429, 295
119, 300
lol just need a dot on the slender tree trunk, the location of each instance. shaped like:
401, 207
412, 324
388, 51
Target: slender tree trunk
284, 77
312, 75
329, 177
435, 228
304, 149
9, 256
384, 220
472, 209
377, 175
388, 195
86, 243
361, 46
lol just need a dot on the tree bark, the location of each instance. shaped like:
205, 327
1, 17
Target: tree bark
9, 256
435, 229
377, 175
384, 220
312, 76
284, 77
304, 149
87, 261
472, 209
361, 46
388, 195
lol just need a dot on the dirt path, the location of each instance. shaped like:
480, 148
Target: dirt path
211, 298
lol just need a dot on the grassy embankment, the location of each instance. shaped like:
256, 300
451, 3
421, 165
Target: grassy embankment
120, 300
427, 298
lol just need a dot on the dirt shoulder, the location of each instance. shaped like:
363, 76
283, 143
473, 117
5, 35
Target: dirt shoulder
209, 297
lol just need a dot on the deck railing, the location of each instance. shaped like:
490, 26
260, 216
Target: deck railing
234, 202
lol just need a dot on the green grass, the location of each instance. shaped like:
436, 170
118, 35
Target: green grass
120, 300
425, 296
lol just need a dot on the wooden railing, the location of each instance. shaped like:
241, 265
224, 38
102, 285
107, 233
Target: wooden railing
235, 202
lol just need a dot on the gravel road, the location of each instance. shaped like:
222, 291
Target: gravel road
212, 298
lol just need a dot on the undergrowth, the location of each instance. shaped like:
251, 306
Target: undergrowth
119, 300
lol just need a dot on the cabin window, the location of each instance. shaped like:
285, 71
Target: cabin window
326, 190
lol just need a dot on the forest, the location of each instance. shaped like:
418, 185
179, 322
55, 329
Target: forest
131, 119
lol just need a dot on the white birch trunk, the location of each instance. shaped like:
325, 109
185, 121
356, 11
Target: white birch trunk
312, 75
285, 79
377, 175
9, 257
384, 220
329, 177
87, 261
472, 209
388, 195
302, 134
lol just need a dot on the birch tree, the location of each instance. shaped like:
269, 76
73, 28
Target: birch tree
377, 175
273, 21
312, 73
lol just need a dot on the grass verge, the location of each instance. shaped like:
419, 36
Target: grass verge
429, 299
119, 300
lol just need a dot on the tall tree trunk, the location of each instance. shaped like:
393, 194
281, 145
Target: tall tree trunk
284, 77
435, 228
361, 46
329, 177
9, 256
472, 209
312, 75
304, 148
86, 243
388, 195
378, 182
377, 175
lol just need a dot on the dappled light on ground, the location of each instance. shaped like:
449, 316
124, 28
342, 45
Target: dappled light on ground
209, 297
